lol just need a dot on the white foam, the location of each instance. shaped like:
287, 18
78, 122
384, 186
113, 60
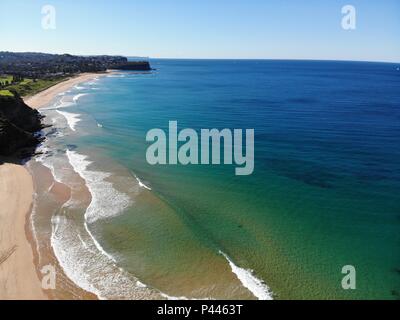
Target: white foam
62, 103
78, 96
173, 298
69, 254
72, 118
78, 87
92, 82
81, 257
42, 151
65, 101
256, 286
63, 93
43, 157
32, 216
141, 184
116, 76
180, 298
98, 246
33, 227
52, 162
140, 284
106, 201
89, 268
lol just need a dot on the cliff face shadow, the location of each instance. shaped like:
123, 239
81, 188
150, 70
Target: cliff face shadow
19, 127
21, 157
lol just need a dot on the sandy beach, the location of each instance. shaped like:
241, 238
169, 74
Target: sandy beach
19, 278
45, 97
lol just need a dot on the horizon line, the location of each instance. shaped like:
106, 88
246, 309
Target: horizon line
210, 58
272, 59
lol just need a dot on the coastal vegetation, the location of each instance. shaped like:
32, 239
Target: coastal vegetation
28, 87
25, 86
6, 93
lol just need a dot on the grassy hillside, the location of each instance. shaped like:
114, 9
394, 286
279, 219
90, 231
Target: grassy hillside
29, 87
6, 93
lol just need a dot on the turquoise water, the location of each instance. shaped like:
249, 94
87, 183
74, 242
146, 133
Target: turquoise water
324, 193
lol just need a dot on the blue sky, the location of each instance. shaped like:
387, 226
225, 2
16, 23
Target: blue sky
285, 29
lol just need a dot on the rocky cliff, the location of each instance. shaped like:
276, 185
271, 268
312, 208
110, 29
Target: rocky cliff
18, 127
133, 66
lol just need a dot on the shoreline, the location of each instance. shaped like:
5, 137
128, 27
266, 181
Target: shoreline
44, 97
19, 274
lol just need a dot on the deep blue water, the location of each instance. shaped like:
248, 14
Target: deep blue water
326, 185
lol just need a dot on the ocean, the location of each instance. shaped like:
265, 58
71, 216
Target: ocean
324, 193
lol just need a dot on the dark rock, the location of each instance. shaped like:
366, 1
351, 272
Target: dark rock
18, 127
17, 112
133, 66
